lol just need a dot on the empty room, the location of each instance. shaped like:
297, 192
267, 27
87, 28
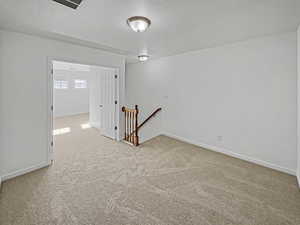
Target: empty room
149, 112
81, 97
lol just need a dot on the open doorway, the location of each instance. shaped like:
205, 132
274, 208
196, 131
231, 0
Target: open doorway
83, 97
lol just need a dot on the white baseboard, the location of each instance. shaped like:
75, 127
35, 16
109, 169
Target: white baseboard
94, 124
24, 171
70, 114
143, 140
0, 182
298, 178
233, 154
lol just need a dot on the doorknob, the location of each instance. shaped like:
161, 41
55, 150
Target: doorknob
100, 106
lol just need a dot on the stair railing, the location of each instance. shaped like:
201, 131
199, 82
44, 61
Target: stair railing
131, 124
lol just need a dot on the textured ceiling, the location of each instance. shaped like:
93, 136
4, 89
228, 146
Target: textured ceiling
177, 25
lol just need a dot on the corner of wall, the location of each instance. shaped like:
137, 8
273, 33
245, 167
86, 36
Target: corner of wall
23, 171
298, 107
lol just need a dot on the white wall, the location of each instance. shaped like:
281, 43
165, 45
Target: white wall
145, 85
298, 40
71, 101
23, 95
239, 98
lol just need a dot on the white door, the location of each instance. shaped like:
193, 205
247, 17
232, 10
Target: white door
107, 102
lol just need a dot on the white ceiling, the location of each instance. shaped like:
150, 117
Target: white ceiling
177, 25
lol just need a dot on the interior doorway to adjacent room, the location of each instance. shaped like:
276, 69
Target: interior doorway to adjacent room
83, 97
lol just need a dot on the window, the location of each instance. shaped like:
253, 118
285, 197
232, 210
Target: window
61, 84
80, 83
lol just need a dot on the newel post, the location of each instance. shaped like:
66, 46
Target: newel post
136, 137
125, 120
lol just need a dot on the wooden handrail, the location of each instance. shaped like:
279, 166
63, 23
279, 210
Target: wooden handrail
131, 127
145, 121
149, 117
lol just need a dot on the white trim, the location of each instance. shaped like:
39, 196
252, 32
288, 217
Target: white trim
117, 106
71, 114
143, 140
94, 125
233, 154
24, 171
50, 116
0, 182
298, 174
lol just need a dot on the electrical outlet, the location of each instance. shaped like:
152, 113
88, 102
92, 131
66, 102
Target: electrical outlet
220, 138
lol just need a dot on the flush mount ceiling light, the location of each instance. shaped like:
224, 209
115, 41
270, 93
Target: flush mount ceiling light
138, 23
143, 58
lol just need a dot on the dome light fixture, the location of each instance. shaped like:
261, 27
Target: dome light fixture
138, 23
143, 58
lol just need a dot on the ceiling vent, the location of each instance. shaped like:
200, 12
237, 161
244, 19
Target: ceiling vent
69, 3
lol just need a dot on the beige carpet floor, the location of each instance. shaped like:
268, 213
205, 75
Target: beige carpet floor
95, 180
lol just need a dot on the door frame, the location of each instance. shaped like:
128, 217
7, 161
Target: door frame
50, 92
